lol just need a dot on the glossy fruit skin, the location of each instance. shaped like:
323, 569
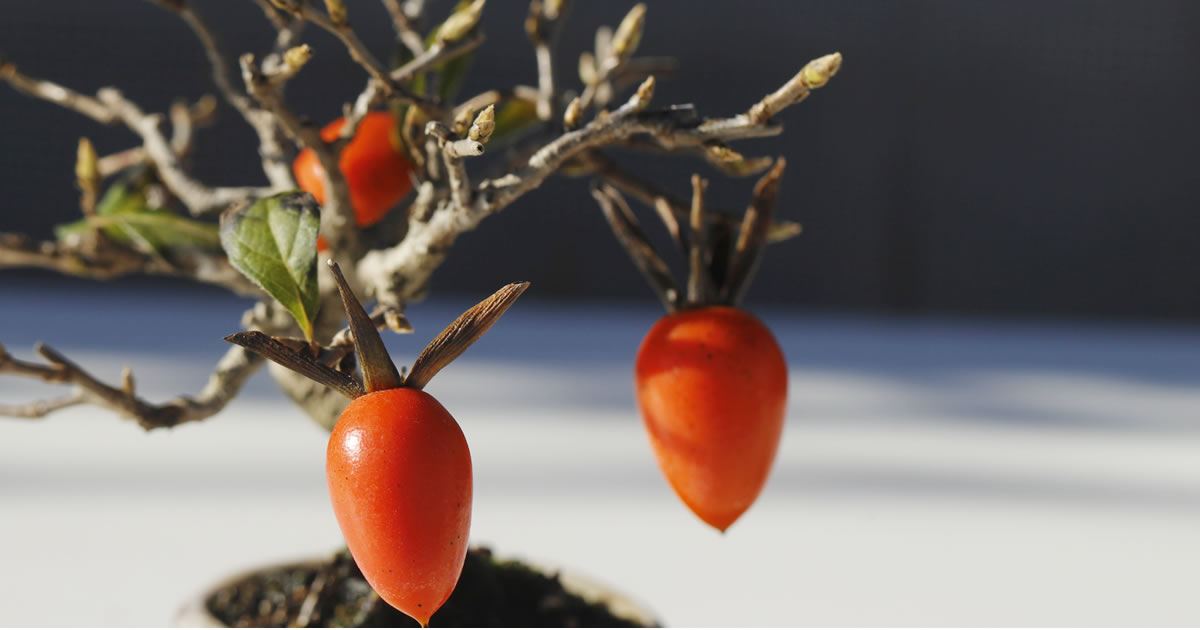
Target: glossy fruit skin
399, 474
711, 383
376, 172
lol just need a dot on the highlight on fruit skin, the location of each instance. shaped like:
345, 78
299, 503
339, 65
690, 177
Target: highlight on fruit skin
398, 466
710, 379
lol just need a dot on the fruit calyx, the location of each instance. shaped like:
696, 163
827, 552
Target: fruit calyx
721, 256
378, 370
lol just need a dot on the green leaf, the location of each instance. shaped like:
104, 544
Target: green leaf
66, 231
125, 215
515, 116
451, 75
161, 229
274, 243
418, 85
452, 72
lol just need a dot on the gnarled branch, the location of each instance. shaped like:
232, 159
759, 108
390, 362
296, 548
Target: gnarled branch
227, 379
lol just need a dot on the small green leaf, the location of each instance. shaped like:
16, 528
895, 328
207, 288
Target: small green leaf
418, 84
451, 75
66, 231
125, 215
162, 229
515, 116
274, 243
127, 193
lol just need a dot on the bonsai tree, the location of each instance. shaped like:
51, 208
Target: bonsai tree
383, 193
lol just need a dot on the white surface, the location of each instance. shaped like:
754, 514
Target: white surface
931, 473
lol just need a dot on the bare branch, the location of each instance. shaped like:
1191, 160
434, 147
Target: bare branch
212, 50
43, 408
363, 57
436, 54
543, 25
357, 49
401, 272
353, 114
338, 225
55, 93
274, 162
199, 198
813, 75
453, 152
275, 16
398, 273
231, 373
406, 32
637, 69
113, 260
110, 106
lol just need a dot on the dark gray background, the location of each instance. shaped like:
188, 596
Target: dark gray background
1033, 157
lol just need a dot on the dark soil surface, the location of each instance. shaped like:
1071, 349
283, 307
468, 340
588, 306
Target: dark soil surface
490, 593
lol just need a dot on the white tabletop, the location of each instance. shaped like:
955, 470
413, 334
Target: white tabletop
931, 472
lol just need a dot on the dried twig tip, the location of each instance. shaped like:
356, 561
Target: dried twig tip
461, 22
127, 383
573, 115
629, 34
86, 160
587, 69
297, 56
337, 11
645, 91
818, 71
484, 125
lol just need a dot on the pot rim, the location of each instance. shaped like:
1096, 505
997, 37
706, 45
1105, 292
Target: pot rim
194, 613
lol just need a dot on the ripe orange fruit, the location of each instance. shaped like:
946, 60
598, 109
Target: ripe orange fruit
711, 383
399, 474
376, 171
